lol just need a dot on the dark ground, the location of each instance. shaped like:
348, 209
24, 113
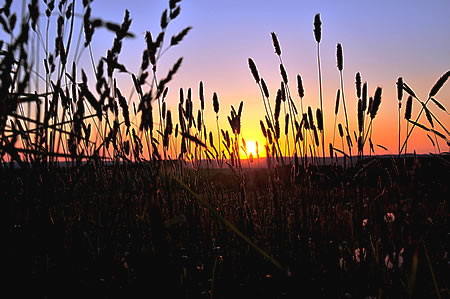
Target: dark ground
77, 233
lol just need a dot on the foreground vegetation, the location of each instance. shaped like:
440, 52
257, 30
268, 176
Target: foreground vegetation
102, 200
125, 230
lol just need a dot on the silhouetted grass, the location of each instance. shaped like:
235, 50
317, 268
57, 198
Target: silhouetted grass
102, 199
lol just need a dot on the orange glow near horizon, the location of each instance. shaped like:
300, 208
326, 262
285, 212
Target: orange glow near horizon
225, 35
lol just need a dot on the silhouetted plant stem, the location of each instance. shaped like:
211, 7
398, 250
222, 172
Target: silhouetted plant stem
334, 130
406, 142
414, 124
292, 117
399, 128
399, 98
320, 97
345, 113
343, 101
219, 158
286, 147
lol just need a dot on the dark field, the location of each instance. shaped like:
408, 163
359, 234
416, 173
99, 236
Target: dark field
121, 231
107, 196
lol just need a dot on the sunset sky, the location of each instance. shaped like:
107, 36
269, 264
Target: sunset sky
381, 39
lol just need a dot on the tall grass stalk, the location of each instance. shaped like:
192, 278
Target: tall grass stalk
340, 66
336, 111
399, 98
318, 36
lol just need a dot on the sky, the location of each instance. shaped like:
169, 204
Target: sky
381, 39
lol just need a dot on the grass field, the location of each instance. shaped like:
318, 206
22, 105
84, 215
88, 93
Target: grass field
104, 197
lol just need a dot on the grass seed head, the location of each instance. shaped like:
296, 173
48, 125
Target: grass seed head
305, 121
278, 104
283, 92
264, 87
339, 57
286, 124
360, 116
319, 119
263, 128
202, 96
276, 44
299, 134
399, 88
277, 129
317, 28
301, 91
439, 84
310, 117
211, 140
376, 103
215, 103
336, 106
364, 97
283, 73
316, 136
428, 115
169, 124
408, 109
358, 85
199, 120
269, 123
269, 136
253, 69
181, 96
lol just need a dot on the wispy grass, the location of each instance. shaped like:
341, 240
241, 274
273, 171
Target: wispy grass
141, 187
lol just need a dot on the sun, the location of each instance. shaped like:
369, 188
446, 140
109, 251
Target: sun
251, 147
